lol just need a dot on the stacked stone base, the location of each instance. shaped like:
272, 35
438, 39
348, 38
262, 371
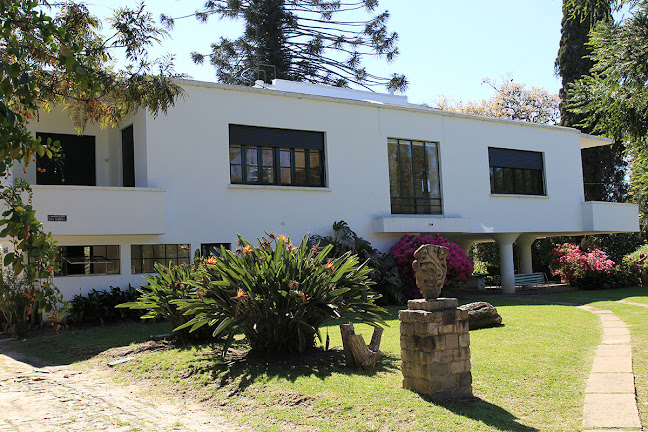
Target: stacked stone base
435, 349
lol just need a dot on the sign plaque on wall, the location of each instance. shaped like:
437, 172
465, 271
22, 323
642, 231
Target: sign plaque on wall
57, 218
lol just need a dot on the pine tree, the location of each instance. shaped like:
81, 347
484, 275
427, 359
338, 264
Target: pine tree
299, 40
604, 168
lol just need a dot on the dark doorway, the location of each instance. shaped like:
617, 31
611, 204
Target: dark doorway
128, 157
74, 166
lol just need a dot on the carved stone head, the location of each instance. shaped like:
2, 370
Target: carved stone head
430, 268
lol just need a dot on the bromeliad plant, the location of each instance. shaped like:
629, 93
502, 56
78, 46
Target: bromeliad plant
278, 295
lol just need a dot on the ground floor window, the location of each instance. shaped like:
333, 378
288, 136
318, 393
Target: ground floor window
87, 260
144, 257
207, 249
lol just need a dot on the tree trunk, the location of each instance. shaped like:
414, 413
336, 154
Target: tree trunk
356, 352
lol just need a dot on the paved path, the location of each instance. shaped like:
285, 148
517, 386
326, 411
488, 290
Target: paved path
64, 399
610, 401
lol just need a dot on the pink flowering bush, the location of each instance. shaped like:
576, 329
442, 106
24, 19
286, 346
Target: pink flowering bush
577, 267
459, 266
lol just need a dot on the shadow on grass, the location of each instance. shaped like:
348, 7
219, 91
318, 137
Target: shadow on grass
242, 369
492, 415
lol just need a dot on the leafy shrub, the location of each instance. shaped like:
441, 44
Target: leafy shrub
100, 306
459, 266
159, 298
578, 268
384, 272
278, 295
22, 303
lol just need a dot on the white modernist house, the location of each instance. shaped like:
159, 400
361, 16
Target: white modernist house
293, 158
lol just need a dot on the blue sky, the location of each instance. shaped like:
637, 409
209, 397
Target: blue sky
446, 48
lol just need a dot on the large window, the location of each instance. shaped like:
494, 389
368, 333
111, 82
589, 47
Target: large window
414, 177
75, 164
272, 156
143, 257
516, 172
87, 260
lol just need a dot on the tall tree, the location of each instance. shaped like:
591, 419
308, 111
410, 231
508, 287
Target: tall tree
63, 61
300, 40
512, 101
604, 168
614, 97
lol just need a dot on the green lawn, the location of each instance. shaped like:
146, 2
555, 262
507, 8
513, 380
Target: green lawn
528, 375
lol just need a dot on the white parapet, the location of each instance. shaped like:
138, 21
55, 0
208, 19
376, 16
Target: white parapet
610, 217
97, 210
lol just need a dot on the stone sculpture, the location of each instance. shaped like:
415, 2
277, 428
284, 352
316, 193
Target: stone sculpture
430, 268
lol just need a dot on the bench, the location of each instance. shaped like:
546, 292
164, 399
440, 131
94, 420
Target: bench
524, 279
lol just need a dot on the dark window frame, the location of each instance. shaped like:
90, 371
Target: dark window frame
516, 172
428, 204
206, 249
75, 165
254, 142
142, 263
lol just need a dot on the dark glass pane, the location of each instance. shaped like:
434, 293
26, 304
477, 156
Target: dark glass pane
285, 176
136, 251
252, 174
236, 174
538, 184
252, 156
113, 267
159, 251
268, 175
112, 252
529, 182
315, 169
136, 266
492, 179
419, 172
300, 159
147, 266
300, 176
235, 155
268, 157
509, 181
434, 183
499, 180
407, 179
183, 250
98, 251
147, 251
519, 181
394, 172
284, 158
171, 251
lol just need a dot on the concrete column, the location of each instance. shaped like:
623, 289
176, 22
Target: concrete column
507, 269
524, 243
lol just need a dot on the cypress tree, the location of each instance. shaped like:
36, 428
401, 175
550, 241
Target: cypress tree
603, 167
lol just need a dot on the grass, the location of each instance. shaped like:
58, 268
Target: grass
528, 375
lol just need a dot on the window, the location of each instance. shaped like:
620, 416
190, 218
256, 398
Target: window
414, 177
207, 249
87, 260
272, 156
516, 172
128, 157
75, 164
143, 257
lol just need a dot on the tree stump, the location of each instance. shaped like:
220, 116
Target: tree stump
356, 352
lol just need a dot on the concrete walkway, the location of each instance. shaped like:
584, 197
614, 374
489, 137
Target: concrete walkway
610, 401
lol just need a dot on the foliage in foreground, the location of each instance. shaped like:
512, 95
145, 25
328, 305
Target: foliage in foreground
591, 270
278, 295
384, 272
459, 266
99, 306
159, 298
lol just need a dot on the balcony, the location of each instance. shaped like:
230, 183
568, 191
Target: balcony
90, 210
609, 217
420, 223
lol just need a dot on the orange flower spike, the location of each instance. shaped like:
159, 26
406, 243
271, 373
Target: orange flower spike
240, 293
283, 238
303, 298
247, 249
212, 260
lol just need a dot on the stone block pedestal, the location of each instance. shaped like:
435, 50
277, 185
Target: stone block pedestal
435, 349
